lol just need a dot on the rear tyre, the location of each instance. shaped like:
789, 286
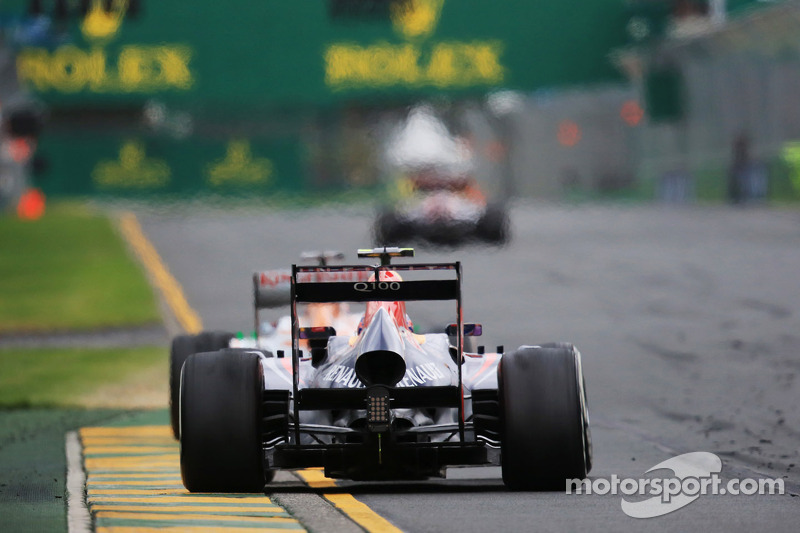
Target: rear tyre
545, 436
390, 229
220, 418
182, 347
493, 225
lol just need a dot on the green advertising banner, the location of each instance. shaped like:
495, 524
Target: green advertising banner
141, 165
278, 53
242, 96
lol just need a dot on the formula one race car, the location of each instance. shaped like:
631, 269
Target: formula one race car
382, 402
271, 290
441, 210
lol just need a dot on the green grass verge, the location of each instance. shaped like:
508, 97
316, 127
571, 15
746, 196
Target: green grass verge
66, 377
33, 463
69, 270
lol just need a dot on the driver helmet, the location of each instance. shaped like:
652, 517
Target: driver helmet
396, 310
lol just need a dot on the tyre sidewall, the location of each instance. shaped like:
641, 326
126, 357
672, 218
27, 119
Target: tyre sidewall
542, 417
181, 348
220, 413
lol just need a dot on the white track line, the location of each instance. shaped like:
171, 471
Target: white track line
78, 518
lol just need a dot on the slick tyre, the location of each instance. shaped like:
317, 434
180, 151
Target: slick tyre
493, 226
389, 229
545, 437
181, 348
220, 419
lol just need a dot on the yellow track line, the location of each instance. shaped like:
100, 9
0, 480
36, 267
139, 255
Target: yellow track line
195, 517
346, 503
191, 323
208, 509
361, 514
315, 478
142, 432
261, 501
169, 287
134, 450
189, 529
134, 483
128, 431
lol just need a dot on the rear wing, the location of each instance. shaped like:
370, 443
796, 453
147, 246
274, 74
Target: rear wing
326, 284
366, 289
273, 288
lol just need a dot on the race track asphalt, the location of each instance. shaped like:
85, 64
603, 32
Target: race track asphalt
688, 319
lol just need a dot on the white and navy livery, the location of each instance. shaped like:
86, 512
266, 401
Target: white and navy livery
382, 402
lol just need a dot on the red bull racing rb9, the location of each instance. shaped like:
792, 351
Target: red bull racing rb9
382, 402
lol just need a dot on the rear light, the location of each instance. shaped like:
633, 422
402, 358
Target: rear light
378, 412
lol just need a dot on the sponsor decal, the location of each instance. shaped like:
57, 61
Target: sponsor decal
239, 167
133, 169
133, 68
343, 375
417, 18
443, 65
419, 375
416, 375
273, 278
377, 286
416, 61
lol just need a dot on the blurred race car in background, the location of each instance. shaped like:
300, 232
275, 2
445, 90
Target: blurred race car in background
271, 290
441, 209
382, 402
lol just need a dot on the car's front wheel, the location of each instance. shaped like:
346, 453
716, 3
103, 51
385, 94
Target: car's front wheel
545, 438
220, 419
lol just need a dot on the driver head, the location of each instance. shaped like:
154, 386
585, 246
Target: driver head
396, 310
